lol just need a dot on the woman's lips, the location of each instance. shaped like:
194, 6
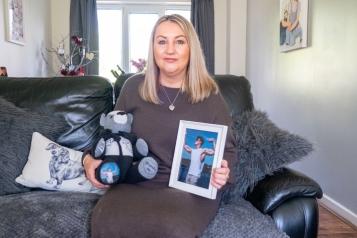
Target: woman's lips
170, 60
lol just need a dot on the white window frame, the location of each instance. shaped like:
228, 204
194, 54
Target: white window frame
128, 7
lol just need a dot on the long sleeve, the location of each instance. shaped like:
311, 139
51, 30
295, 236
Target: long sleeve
230, 152
122, 99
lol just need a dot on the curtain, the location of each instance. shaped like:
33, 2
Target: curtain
202, 18
84, 23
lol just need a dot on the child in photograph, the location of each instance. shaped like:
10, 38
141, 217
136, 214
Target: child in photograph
198, 155
284, 24
108, 175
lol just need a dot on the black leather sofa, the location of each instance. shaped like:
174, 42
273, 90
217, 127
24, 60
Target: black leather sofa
289, 197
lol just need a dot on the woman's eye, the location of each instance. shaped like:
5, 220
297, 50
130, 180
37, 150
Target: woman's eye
180, 42
161, 42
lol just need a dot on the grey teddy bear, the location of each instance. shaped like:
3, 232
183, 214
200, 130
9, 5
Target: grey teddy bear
125, 157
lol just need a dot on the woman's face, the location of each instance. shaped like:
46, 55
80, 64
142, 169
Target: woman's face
171, 50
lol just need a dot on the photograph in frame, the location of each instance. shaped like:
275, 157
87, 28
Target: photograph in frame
199, 149
293, 24
14, 20
3, 71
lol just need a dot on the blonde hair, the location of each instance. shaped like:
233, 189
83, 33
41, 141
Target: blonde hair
198, 84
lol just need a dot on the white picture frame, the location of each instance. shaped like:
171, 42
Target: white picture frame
14, 21
293, 24
190, 172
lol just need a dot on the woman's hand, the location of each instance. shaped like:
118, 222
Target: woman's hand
90, 164
220, 175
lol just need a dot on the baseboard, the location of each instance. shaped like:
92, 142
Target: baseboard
339, 209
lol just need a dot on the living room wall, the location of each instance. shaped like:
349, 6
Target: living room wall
312, 91
230, 36
26, 60
60, 28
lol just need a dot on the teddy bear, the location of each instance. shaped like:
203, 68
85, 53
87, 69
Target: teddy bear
124, 155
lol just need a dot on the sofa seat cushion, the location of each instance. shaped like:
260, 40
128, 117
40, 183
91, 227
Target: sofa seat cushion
46, 214
241, 219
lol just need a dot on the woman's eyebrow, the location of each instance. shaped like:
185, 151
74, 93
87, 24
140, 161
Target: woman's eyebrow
166, 36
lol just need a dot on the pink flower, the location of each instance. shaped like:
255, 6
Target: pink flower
64, 72
140, 64
77, 40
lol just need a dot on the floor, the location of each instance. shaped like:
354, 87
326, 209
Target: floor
332, 226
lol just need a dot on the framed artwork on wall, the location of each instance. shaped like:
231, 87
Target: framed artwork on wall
3, 71
293, 24
14, 20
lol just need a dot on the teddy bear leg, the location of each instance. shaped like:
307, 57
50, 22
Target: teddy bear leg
148, 167
143, 170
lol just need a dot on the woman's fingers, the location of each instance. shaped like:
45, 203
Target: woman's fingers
224, 164
220, 175
216, 185
90, 164
219, 181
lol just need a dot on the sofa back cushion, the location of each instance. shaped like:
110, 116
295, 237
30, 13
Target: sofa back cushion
236, 92
79, 101
234, 89
16, 126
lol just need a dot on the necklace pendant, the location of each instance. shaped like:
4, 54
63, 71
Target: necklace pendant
171, 107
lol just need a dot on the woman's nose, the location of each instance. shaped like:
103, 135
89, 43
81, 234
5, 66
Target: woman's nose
170, 49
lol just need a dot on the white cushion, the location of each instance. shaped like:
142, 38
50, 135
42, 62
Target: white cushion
54, 167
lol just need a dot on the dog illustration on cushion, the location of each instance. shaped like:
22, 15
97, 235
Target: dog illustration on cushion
61, 166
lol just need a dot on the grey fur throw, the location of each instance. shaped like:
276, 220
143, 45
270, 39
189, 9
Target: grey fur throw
16, 126
262, 149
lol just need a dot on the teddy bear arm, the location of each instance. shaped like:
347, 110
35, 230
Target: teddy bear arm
141, 149
99, 149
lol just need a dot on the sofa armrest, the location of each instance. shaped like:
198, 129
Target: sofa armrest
282, 185
298, 217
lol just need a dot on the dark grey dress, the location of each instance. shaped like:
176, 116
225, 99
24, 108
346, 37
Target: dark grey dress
151, 208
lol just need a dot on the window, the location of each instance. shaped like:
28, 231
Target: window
140, 26
110, 41
125, 28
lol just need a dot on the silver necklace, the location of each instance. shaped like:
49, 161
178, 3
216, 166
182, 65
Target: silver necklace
171, 106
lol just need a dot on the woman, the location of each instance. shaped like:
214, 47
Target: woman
176, 87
